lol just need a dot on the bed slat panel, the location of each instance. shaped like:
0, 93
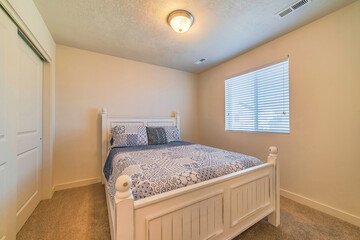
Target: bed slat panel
211, 215
203, 220
155, 229
186, 223
177, 225
239, 196
200, 220
249, 198
219, 219
161, 124
195, 221
166, 223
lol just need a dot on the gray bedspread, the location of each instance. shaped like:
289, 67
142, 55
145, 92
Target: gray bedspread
160, 168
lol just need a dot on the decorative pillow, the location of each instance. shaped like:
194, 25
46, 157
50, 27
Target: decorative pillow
126, 136
172, 134
156, 135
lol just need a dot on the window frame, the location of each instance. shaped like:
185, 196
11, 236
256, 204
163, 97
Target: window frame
287, 58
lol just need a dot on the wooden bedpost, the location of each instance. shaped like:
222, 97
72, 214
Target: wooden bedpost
274, 218
177, 116
124, 209
104, 143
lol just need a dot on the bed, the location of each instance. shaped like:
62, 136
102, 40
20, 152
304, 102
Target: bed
216, 196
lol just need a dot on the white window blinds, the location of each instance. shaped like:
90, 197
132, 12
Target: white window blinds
258, 101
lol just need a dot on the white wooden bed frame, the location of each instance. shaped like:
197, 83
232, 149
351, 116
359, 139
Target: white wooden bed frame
219, 208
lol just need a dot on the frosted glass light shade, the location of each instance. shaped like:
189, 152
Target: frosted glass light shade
180, 20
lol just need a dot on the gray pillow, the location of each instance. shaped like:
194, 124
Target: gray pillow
126, 136
156, 135
172, 134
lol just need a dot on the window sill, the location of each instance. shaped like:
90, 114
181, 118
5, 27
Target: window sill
285, 133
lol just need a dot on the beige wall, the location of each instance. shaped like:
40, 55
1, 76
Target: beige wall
320, 158
87, 81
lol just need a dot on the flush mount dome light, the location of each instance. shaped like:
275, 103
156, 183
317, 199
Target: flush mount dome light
180, 20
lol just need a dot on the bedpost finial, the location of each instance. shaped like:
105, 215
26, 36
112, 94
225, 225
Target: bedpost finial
273, 150
273, 154
177, 118
123, 184
175, 114
104, 110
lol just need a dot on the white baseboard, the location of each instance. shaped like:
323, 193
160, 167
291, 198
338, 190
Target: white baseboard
348, 217
78, 183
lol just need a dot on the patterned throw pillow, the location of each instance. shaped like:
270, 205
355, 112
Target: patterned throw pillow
172, 134
126, 136
156, 135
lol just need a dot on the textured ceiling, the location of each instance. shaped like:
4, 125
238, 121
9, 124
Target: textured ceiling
137, 29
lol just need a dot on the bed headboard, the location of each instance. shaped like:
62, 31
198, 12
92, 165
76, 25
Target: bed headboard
109, 121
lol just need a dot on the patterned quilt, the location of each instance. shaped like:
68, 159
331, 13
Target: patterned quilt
161, 168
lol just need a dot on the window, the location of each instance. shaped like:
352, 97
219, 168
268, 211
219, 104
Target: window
258, 101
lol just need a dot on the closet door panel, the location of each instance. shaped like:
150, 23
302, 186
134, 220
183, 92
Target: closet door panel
2, 89
4, 83
29, 89
3, 137
29, 98
27, 175
8, 116
3, 204
29, 131
27, 141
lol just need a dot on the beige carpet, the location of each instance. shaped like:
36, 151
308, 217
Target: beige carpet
80, 213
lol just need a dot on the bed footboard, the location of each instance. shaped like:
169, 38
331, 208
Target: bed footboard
219, 208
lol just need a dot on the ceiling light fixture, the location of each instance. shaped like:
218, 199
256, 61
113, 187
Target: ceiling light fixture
180, 20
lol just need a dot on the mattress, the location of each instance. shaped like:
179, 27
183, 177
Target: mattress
156, 169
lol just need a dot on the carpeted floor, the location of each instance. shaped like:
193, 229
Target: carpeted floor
80, 213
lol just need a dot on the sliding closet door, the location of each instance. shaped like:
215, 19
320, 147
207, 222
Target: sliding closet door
8, 103
20, 129
29, 128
